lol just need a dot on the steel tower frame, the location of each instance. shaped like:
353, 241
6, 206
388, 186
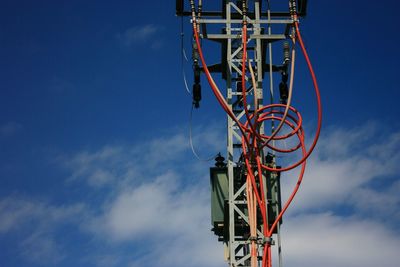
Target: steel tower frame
238, 246
260, 39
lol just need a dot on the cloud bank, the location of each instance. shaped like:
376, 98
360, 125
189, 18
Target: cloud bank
154, 209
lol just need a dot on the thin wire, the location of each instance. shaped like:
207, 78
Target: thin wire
185, 81
191, 140
278, 231
183, 57
184, 54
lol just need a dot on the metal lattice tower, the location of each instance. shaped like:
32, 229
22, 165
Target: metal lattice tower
265, 28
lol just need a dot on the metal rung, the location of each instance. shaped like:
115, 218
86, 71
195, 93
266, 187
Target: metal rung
252, 36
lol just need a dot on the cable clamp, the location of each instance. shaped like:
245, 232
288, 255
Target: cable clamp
295, 18
267, 240
253, 238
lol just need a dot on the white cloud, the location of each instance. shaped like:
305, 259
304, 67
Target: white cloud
139, 211
158, 205
34, 223
100, 168
173, 220
171, 216
347, 210
155, 200
106, 260
160, 197
41, 248
148, 33
344, 164
383, 205
10, 128
334, 241
127, 164
15, 212
339, 142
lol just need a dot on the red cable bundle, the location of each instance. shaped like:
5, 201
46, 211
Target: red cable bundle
253, 142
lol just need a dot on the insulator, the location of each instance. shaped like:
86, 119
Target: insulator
283, 91
179, 7
196, 95
302, 7
195, 52
286, 52
196, 74
292, 7
219, 161
285, 77
244, 8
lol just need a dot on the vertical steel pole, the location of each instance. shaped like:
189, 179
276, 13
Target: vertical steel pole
230, 152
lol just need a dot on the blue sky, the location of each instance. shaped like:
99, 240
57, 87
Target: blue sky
95, 163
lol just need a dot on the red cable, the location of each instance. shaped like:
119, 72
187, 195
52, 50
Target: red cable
251, 137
